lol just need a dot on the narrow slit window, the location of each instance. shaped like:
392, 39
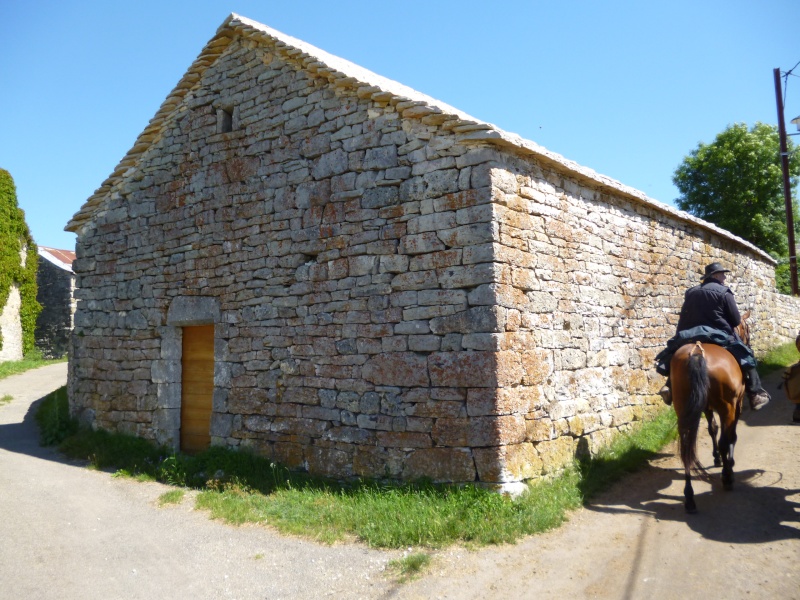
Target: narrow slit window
224, 120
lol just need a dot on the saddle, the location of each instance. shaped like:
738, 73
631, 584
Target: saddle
707, 335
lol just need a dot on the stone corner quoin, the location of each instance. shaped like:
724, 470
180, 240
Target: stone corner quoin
395, 292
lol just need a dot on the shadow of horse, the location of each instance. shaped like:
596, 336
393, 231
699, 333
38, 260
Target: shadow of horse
760, 510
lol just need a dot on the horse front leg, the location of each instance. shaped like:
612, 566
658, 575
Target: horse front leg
713, 430
726, 449
727, 442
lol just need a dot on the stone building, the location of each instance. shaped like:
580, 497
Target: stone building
56, 287
304, 258
11, 343
11, 327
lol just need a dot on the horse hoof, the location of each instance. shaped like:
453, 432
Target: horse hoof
727, 486
717, 462
691, 508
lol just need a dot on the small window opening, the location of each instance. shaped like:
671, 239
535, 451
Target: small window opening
224, 120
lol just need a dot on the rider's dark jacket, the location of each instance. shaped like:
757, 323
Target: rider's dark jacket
711, 304
709, 314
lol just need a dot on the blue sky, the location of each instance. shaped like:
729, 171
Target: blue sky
627, 88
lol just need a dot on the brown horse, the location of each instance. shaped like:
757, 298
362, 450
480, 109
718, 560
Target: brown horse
707, 379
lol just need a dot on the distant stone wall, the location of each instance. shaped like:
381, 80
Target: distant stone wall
55, 294
390, 298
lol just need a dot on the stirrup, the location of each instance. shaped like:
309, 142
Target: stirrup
758, 400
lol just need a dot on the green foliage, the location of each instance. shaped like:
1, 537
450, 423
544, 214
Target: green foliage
171, 497
14, 236
626, 454
410, 566
778, 358
55, 424
783, 277
736, 182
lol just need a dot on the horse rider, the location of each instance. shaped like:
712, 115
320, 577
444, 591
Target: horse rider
709, 314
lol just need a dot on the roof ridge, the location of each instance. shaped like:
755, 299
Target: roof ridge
366, 84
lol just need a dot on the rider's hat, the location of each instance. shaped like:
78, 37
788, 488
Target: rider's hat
715, 267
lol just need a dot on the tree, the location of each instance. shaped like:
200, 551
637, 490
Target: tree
736, 182
14, 238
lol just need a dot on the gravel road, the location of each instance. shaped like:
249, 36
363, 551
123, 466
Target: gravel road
69, 533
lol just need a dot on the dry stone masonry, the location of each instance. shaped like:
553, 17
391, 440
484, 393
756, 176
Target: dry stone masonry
397, 290
56, 287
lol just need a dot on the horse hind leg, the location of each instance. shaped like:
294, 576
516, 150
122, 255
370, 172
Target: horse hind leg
713, 431
688, 494
727, 462
727, 441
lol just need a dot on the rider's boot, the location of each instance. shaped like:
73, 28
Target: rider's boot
757, 395
666, 393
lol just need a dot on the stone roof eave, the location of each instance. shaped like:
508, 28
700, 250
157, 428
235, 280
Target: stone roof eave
365, 84
510, 141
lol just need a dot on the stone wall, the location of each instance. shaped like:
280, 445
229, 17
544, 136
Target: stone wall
591, 286
392, 296
55, 293
11, 327
10, 322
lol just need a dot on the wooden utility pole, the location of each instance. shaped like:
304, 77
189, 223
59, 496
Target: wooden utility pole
787, 189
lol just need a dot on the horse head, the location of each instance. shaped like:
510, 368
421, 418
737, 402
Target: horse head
743, 329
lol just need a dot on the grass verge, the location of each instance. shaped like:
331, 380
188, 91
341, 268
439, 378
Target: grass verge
172, 497
779, 357
240, 487
32, 361
409, 567
53, 418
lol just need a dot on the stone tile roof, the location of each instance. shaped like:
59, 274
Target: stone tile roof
366, 84
60, 258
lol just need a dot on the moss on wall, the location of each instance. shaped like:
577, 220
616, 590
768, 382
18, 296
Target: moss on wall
14, 238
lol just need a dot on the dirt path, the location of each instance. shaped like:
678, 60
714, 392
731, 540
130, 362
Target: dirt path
637, 541
71, 533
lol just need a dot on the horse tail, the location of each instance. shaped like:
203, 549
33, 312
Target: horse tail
695, 406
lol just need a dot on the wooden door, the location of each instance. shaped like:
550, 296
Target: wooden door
197, 387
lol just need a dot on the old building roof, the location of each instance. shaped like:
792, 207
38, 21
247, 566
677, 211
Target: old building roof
365, 84
60, 258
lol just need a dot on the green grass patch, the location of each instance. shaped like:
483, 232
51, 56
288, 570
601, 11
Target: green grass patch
240, 487
778, 358
409, 567
171, 497
5, 399
396, 516
33, 360
55, 424
626, 453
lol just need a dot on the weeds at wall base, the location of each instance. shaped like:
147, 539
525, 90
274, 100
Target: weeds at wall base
240, 487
